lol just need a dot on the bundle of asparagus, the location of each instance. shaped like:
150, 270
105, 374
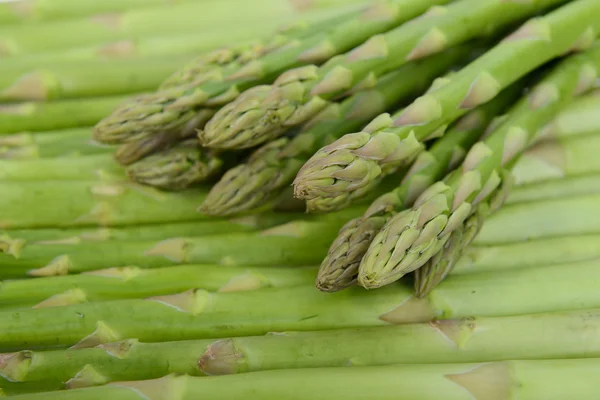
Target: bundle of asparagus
118, 275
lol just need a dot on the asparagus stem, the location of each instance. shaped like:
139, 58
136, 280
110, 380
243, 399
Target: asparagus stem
55, 115
261, 114
555, 188
273, 166
558, 335
199, 314
340, 268
286, 244
412, 237
134, 282
171, 109
526, 380
389, 143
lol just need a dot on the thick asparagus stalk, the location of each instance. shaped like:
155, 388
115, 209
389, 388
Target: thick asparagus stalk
171, 109
525, 380
572, 186
556, 335
178, 168
190, 17
261, 114
273, 166
364, 161
62, 204
299, 242
55, 115
51, 144
412, 237
579, 117
134, 282
198, 314
340, 268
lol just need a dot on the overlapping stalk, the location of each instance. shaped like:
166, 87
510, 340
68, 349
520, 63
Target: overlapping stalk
412, 237
273, 166
361, 159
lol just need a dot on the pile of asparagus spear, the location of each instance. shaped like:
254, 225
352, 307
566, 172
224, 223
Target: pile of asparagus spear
196, 197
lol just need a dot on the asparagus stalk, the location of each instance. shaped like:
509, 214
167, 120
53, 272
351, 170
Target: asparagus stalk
55, 115
198, 314
401, 136
87, 78
190, 17
526, 380
412, 237
273, 166
340, 268
134, 282
171, 109
261, 114
285, 244
50, 144
555, 188
559, 335
62, 204
178, 168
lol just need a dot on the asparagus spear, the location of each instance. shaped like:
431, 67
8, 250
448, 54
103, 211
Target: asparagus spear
50, 144
134, 282
263, 113
559, 335
572, 186
412, 237
61, 204
285, 244
340, 268
55, 115
358, 159
198, 314
171, 109
272, 167
525, 380
579, 117
178, 168
190, 17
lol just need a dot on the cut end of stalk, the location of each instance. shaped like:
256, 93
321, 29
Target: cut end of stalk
222, 358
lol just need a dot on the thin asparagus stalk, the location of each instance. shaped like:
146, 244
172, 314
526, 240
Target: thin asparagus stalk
62, 204
340, 268
87, 78
50, 144
64, 114
513, 256
525, 380
300, 242
171, 109
134, 282
559, 335
198, 314
190, 17
578, 118
273, 166
412, 237
359, 160
572, 186
261, 114
558, 158
178, 168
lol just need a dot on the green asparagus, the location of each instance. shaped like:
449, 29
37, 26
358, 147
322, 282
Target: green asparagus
413, 236
556, 188
556, 335
50, 144
198, 314
273, 167
263, 113
579, 117
172, 108
63, 114
525, 380
361, 159
134, 282
178, 168
300, 242
340, 268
